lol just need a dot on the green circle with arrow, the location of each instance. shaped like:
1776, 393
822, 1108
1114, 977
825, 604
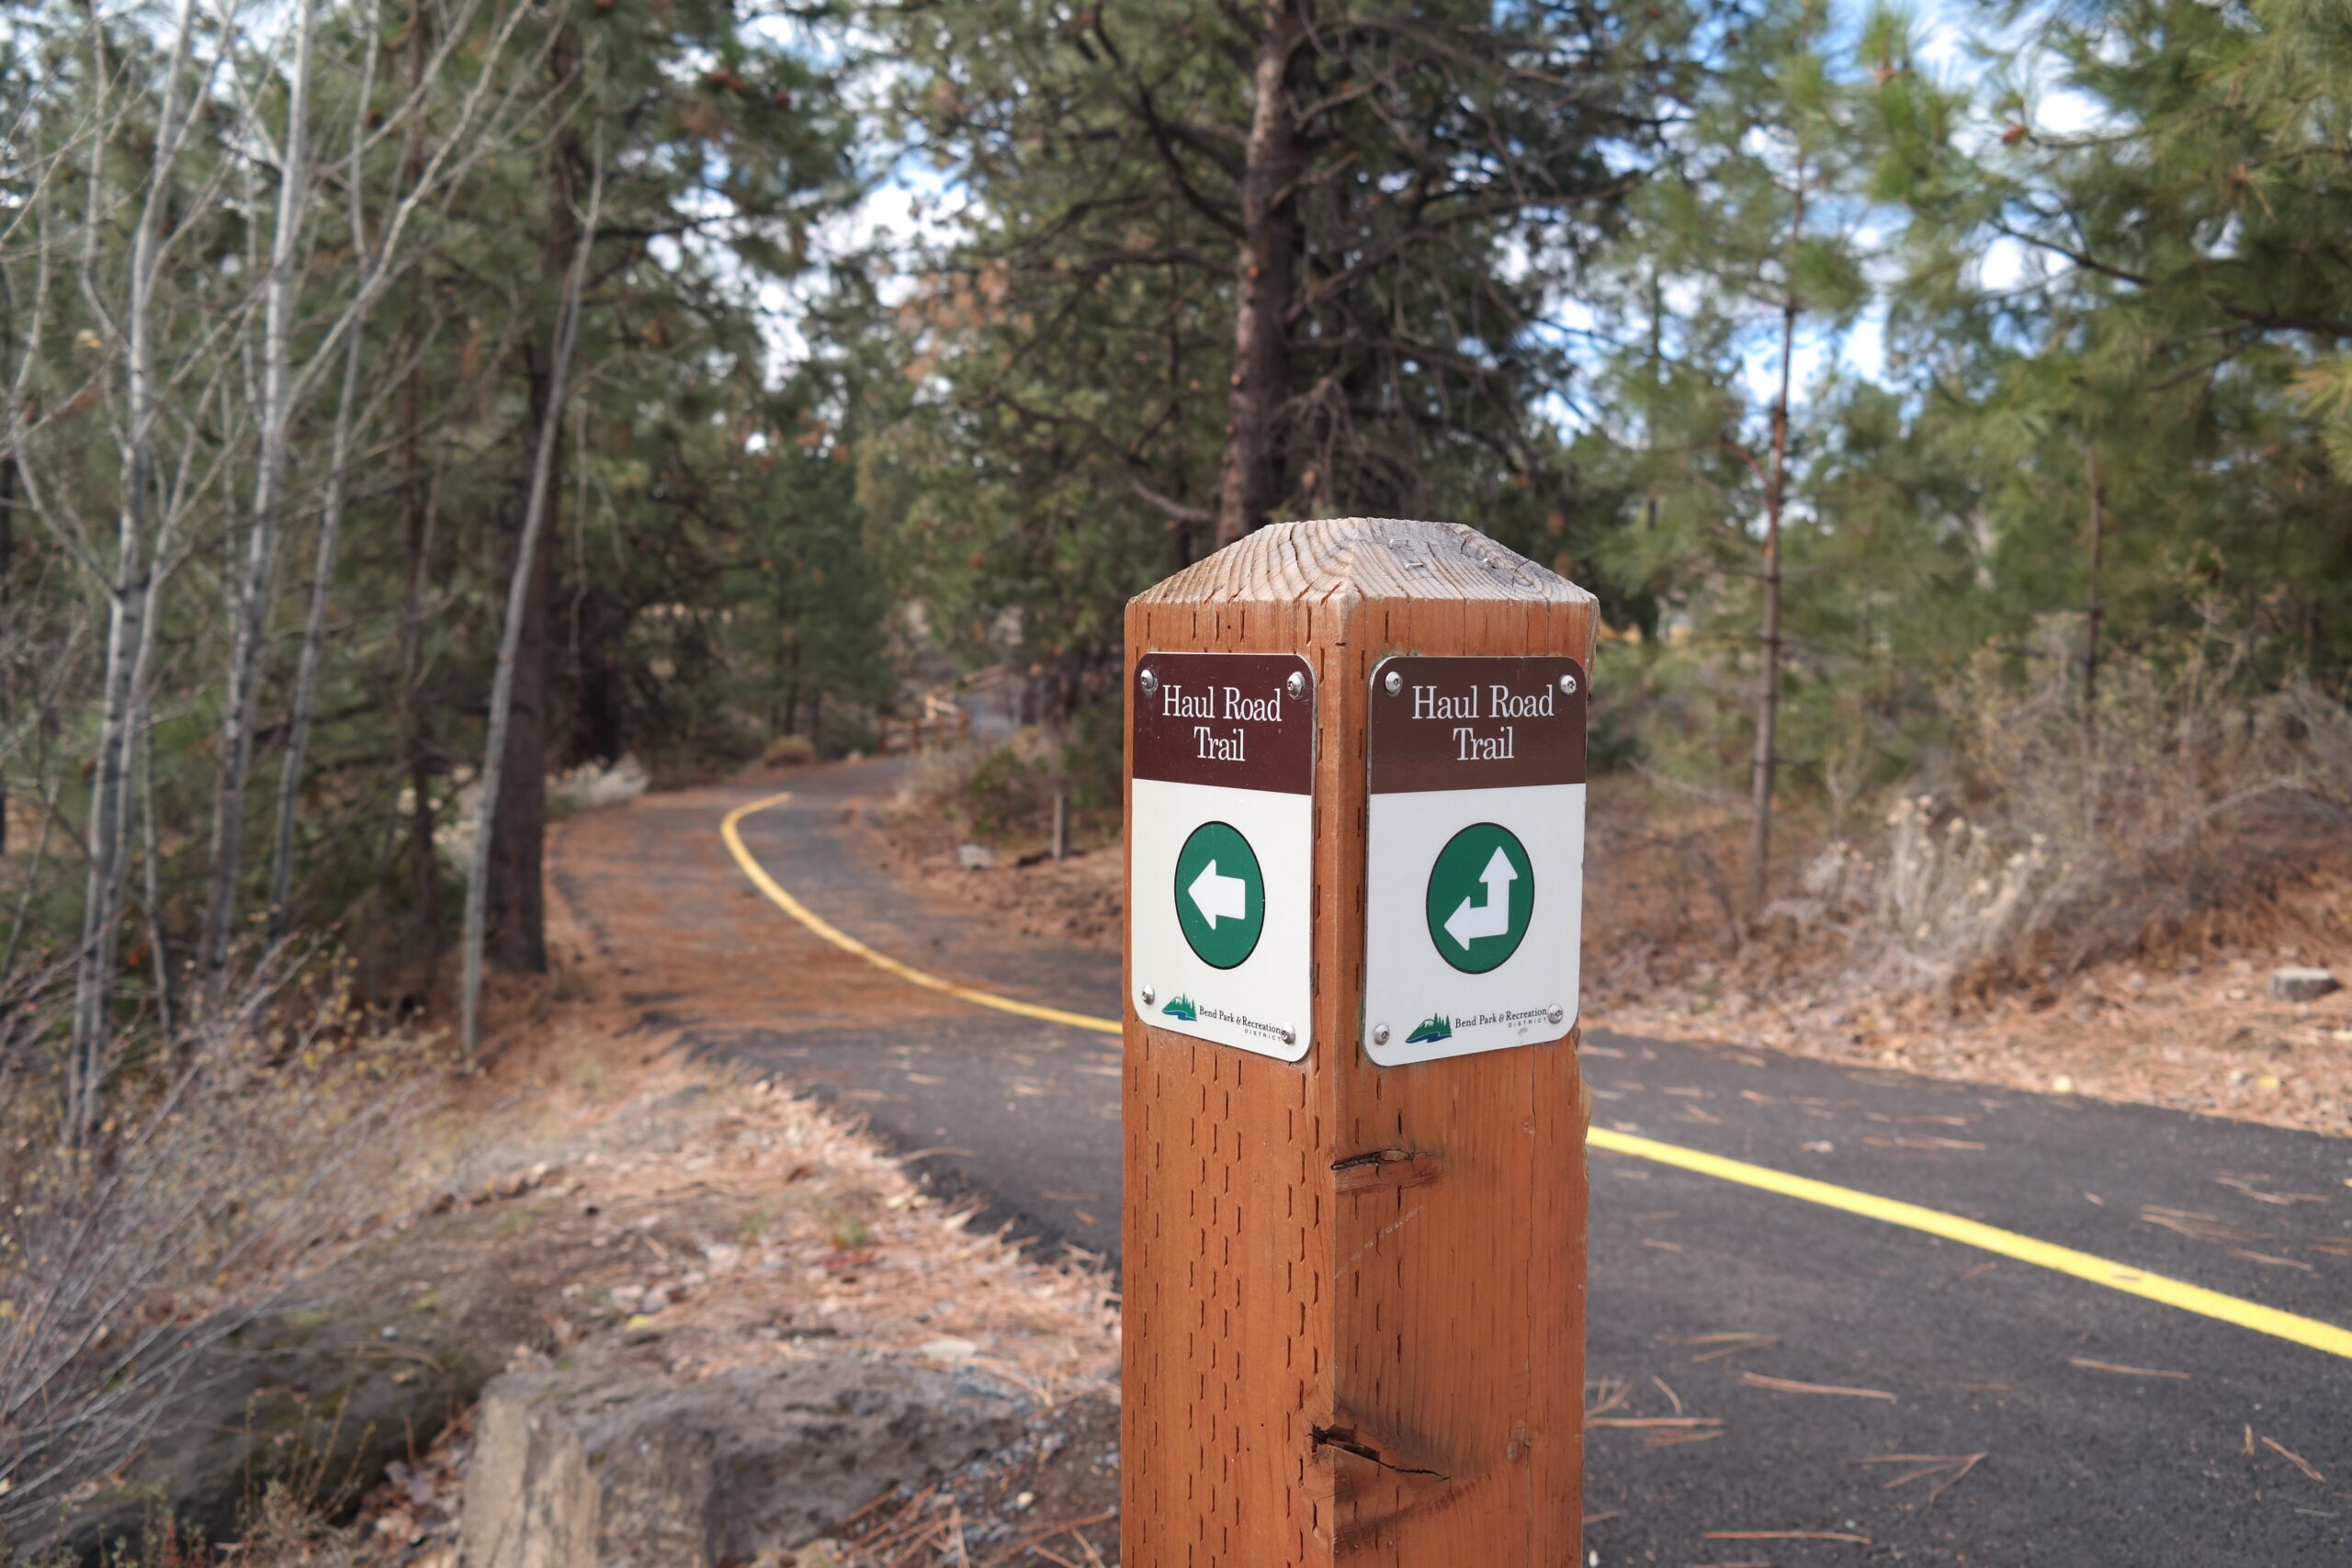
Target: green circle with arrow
1220, 895
1481, 897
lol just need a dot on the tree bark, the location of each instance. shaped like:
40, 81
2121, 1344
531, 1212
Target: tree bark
2092, 613
7, 584
416, 547
1249, 474
518, 929
257, 589
314, 625
1767, 684
131, 583
510, 825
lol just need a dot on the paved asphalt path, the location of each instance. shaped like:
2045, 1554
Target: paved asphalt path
2111, 1429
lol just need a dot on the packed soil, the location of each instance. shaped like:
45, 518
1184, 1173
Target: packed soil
1077, 899
2186, 1022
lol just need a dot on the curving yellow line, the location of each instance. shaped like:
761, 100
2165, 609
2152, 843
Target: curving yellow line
2306, 1331
729, 830
2309, 1332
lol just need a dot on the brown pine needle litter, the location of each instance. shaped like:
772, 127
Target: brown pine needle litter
1725, 1344
1676, 1439
1787, 1535
2089, 1365
1951, 1467
2291, 1457
1789, 1385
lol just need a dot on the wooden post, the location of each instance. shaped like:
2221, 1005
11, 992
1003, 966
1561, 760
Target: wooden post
1354, 1294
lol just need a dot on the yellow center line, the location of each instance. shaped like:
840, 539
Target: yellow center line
728, 829
2178, 1293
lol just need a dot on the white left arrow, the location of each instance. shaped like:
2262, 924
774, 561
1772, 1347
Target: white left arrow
1219, 897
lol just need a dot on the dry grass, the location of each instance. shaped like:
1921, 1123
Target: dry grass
240, 1155
2168, 815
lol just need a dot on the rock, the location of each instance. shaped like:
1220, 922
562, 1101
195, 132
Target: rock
313, 1383
2301, 985
622, 1466
974, 857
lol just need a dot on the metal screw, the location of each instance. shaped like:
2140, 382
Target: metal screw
1149, 995
1380, 1034
1290, 1035
1395, 683
1556, 1014
1295, 685
1567, 685
1150, 682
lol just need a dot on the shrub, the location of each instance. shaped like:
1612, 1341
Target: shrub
789, 752
240, 1152
2071, 833
1007, 793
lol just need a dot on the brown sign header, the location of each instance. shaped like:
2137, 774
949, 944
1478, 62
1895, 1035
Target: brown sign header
1477, 723
1243, 720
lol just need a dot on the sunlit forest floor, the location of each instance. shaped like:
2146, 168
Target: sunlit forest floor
2182, 1019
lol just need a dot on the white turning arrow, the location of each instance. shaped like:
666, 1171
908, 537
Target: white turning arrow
1471, 921
1219, 896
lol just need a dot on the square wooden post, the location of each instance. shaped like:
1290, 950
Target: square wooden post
1354, 1294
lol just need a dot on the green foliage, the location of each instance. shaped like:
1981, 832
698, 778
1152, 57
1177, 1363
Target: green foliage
1061, 368
1006, 796
2140, 304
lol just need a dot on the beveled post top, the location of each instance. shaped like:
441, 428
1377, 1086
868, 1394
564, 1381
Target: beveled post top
1339, 560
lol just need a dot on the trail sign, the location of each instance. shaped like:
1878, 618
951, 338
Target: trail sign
1352, 1318
1473, 895
1222, 827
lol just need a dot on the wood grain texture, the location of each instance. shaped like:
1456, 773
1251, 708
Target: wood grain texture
1332, 1356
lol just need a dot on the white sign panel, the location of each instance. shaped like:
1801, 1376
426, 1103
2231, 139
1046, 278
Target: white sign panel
1474, 888
1220, 845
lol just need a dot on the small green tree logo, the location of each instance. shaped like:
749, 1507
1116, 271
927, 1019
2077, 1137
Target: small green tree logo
1181, 1008
1433, 1027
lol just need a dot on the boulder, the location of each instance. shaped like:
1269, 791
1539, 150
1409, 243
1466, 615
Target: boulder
624, 1466
2301, 985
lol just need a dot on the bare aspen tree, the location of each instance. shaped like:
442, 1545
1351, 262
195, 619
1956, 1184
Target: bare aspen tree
283, 389
131, 578
306, 674
273, 416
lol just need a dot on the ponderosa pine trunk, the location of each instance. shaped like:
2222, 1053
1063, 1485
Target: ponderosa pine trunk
1767, 684
517, 938
1248, 477
2092, 610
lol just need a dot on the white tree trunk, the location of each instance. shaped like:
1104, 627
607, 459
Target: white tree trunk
130, 585
249, 619
306, 676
